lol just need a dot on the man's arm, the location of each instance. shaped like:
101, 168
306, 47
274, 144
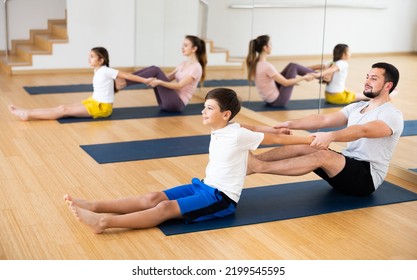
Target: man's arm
373, 129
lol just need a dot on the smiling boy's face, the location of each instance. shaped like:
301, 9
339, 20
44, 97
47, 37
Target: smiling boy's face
212, 116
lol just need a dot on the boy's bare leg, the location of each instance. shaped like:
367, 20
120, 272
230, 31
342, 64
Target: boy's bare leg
152, 217
119, 206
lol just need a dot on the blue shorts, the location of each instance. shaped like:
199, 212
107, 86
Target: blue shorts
199, 202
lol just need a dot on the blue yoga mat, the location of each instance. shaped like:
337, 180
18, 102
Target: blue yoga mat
89, 87
149, 149
190, 109
410, 128
289, 201
71, 88
300, 104
140, 113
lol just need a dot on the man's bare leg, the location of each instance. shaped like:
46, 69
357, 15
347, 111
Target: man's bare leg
331, 162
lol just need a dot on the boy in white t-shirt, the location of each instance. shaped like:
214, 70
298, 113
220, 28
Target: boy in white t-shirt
214, 197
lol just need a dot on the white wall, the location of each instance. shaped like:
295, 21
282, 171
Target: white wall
298, 31
30, 14
161, 26
92, 23
144, 32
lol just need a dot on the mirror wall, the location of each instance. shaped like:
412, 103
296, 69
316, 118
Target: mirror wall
305, 32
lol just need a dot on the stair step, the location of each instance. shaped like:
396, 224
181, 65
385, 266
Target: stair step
53, 38
30, 49
60, 30
13, 60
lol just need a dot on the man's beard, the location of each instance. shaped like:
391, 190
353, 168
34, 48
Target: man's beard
371, 94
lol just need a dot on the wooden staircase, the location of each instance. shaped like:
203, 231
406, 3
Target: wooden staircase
39, 43
220, 57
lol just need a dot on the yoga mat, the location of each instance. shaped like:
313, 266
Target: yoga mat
410, 128
190, 109
299, 104
139, 113
150, 149
71, 88
89, 87
289, 201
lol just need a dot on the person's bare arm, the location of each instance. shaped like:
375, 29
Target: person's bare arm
316, 121
373, 129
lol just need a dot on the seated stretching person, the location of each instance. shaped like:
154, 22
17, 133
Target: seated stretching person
334, 75
214, 197
99, 105
273, 87
373, 130
175, 90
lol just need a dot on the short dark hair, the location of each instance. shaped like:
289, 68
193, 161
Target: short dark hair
227, 100
391, 73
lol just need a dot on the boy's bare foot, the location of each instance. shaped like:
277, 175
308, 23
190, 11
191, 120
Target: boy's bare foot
19, 112
78, 202
91, 219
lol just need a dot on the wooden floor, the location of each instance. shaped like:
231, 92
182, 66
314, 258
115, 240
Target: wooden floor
40, 161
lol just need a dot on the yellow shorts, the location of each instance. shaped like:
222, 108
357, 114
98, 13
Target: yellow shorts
344, 97
97, 109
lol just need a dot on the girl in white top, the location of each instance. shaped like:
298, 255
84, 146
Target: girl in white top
273, 87
214, 197
99, 105
175, 90
334, 74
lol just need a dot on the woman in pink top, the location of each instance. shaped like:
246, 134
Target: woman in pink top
174, 90
274, 88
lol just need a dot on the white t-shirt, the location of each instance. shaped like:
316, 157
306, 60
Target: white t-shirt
228, 156
264, 82
376, 151
338, 82
103, 84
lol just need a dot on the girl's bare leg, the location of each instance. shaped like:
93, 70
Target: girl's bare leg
53, 113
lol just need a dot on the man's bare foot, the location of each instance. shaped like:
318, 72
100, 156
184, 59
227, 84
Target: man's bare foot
78, 202
251, 164
19, 112
91, 219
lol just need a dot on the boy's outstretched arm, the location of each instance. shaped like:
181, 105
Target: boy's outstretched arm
282, 139
266, 129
